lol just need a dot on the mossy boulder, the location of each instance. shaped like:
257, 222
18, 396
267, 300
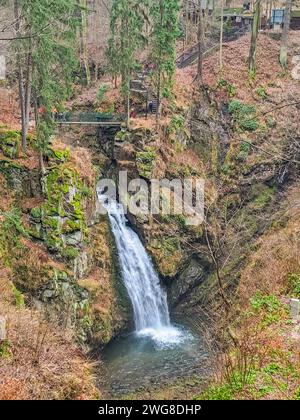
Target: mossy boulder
21, 180
167, 254
10, 142
61, 221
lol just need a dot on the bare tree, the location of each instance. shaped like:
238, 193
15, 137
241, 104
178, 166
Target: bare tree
23, 92
84, 39
254, 36
200, 40
221, 35
285, 34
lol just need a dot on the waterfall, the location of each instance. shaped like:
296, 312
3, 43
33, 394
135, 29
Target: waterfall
149, 299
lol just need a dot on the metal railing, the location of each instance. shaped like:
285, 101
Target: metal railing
96, 118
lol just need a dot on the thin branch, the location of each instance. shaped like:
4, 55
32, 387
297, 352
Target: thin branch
271, 154
280, 107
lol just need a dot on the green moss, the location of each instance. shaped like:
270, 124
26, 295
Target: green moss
63, 211
70, 226
53, 242
294, 284
11, 230
145, 162
5, 350
247, 223
167, 254
36, 213
70, 253
19, 298
61, 155
297, 394
51, 223
262, 196
10, 142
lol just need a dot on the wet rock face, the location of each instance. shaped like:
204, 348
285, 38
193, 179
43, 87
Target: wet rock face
19, 179
208, 130
10, 143
194, 272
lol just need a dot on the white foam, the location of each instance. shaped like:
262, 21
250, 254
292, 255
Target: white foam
164, 336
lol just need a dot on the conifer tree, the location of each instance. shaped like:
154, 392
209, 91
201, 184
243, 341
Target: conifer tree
165, 16
126, 37
47, 57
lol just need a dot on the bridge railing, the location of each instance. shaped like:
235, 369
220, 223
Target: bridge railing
87, 117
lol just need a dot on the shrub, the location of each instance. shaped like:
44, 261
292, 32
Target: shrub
261, 92
244, 115
249, 124
244, 150
294, 284
19, 298
269, 306
101, 92
145, 162
231, 89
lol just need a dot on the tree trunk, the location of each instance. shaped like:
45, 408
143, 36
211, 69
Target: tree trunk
186, 23
285, 34
41, 156
206, 15
84, 23
20, 77
127, 106
200, 39
221, 36
158, 94
254, 35
28, 90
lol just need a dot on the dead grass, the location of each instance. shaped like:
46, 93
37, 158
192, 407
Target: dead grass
278, 254
264, 362
42, 361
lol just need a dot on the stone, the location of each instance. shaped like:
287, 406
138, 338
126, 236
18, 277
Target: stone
73, 239
72, 193
81, 265
2, 67
192, 275
48, 294
296, 59
295, 309
295, 73
2, 328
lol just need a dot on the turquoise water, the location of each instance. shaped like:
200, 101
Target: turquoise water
138, 362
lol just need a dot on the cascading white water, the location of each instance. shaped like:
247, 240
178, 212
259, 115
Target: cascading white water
149, 300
